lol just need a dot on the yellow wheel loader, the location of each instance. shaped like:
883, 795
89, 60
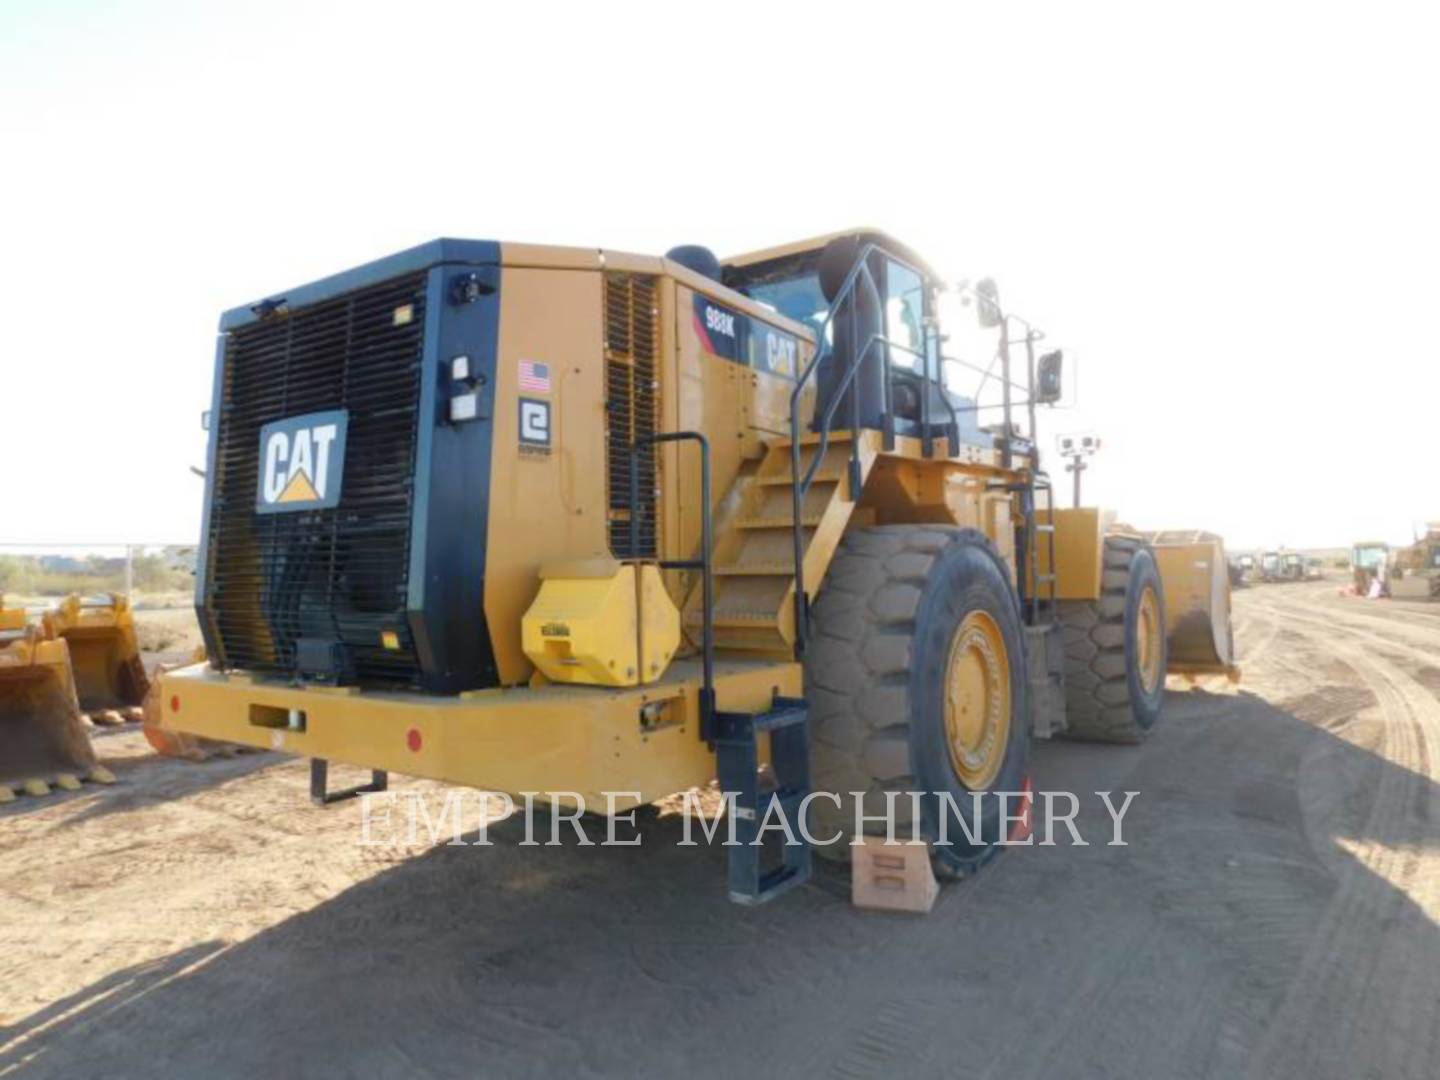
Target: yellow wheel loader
1417, 568
606, 527
110, 677
43, 737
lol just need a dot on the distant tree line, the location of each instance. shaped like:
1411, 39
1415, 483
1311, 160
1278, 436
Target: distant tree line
57, 575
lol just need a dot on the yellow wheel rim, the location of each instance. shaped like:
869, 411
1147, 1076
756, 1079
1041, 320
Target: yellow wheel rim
977, 701
1148, 640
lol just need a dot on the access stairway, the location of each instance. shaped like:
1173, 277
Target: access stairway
755, 547
753, 610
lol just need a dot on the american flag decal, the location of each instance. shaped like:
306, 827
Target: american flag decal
534, 377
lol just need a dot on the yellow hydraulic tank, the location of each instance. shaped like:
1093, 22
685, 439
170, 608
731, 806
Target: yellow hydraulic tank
1196, 578
597, 622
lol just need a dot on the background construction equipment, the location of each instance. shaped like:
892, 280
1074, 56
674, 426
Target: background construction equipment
110, 677
1369, 562
43, 737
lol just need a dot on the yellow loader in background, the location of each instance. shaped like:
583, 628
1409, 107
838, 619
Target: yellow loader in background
43, 738
1417, 568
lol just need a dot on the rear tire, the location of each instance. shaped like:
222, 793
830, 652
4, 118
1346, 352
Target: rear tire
911, 620
1115, 649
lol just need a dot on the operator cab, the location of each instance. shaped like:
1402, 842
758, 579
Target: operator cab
1369, 556
882, 314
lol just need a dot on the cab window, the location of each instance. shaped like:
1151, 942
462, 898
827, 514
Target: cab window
904, 314
792, 288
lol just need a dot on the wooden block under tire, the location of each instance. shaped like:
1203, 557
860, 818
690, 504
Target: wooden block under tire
892, 877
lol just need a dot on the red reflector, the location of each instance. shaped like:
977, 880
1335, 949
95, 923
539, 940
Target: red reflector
413, 740
1020, 828
175, 703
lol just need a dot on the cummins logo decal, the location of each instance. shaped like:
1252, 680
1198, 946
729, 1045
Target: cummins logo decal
302, 461
534, 426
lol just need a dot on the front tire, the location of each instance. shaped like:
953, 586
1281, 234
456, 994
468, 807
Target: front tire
915, 677
1115, 649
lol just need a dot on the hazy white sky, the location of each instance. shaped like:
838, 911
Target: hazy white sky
1229, 212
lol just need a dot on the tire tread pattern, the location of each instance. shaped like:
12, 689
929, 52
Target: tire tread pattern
1097, 691
857, 666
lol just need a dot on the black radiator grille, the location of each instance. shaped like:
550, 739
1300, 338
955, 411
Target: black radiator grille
632, 398
339, 574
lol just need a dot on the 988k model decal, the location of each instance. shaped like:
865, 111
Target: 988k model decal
736, 336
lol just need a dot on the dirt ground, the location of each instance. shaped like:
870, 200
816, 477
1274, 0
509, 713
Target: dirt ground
1275, 914
168, 634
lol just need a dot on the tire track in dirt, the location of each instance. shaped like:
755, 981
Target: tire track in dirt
1088, 1023
1252, 648
1361, 999
1424, 628
1392, 649
895, 1039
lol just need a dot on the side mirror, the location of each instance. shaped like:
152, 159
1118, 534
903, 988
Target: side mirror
987, 304
1048, 384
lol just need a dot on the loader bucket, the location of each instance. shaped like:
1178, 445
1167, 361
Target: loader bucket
43, 738
1196, 578
109, 674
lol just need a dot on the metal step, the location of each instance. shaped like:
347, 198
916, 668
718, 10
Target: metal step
755, 570
785, 522
740, 620
754, 878
838, 435
824, 476
753, 641
321, 795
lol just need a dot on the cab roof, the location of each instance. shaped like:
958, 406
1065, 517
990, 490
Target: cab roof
816, 243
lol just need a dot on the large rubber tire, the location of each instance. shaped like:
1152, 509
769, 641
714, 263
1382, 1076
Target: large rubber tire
1106, 699
875, 668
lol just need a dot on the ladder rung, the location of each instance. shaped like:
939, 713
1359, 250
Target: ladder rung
1045, 528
